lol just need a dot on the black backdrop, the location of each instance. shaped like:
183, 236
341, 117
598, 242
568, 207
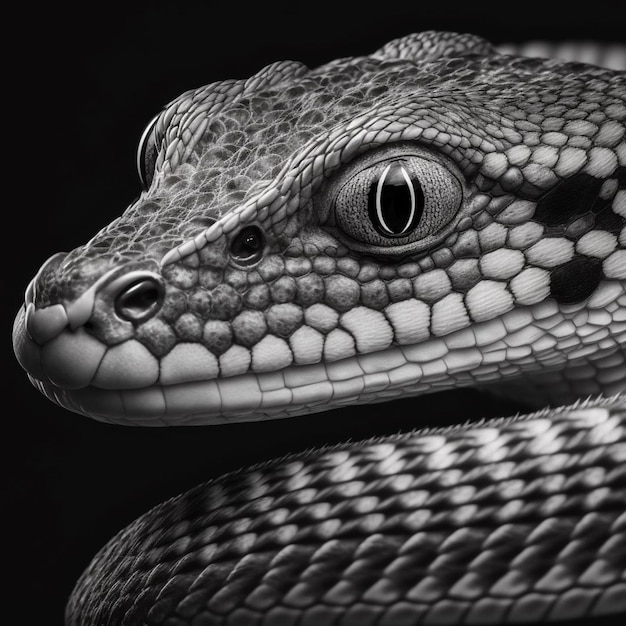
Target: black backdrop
79, 85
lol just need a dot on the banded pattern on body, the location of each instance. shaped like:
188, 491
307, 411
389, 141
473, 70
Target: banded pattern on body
271, 268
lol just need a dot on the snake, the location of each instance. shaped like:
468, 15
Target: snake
439, 214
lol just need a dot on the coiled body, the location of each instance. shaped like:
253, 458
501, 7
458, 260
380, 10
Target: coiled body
518, 520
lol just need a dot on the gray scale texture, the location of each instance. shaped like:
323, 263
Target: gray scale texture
508, 521
522, 282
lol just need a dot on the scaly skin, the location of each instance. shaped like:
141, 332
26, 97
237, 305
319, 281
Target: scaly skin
513, 521
512, 278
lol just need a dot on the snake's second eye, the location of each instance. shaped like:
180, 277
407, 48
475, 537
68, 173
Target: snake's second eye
398, 201
247, 246
147, 153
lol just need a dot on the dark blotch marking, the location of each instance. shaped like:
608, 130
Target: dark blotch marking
554, 231
609, 220
569, 199
576, 280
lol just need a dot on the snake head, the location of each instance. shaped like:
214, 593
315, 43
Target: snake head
435, 214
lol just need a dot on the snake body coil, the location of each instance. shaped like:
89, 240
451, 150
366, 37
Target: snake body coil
437, 214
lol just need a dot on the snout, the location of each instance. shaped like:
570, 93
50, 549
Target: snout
88, 339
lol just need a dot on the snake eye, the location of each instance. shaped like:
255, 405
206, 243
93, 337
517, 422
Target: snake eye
247, 247
397, 201
147, 152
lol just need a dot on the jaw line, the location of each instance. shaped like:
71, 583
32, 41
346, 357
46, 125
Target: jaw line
362, 379
483, 355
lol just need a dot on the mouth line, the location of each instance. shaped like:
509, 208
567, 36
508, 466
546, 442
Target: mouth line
459, 360
268, 395
522, 344
331, 425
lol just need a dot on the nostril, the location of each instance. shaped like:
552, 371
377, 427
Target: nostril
139, 300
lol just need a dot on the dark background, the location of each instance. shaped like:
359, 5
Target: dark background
79, 86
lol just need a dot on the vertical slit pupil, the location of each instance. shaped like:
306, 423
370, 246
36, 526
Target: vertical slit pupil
396, 205
392, 208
